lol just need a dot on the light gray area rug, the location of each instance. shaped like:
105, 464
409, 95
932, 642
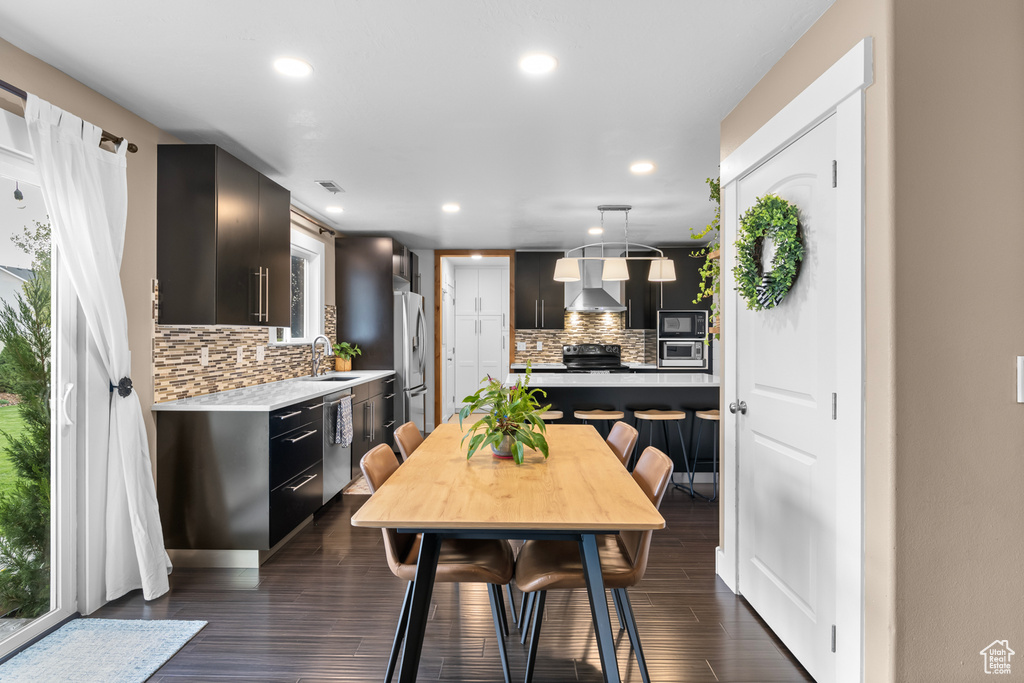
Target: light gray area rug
101, 651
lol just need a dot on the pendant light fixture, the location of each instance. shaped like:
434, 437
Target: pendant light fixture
615, 268
18, 194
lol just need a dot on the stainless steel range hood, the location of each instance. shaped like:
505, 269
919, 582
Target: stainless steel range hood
594, 298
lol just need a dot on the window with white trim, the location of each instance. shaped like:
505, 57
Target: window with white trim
307, 292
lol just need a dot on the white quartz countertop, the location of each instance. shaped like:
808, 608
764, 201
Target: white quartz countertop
273, 395
538, 366
546, 380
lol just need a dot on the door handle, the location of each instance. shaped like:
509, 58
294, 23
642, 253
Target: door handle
308, 479
740, 407
266, 316
300, 438
64, 409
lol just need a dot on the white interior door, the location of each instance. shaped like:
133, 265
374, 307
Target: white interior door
467, 357
786, 373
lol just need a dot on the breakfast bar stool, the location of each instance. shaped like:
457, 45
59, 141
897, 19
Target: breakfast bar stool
551, 415
598, 416
714, 417
664, 417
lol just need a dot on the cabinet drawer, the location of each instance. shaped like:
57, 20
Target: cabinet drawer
287, 419
295, 451
296, 499
373, 388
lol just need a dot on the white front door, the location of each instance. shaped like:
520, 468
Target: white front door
786, 373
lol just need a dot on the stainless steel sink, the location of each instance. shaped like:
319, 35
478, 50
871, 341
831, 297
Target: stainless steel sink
332, 378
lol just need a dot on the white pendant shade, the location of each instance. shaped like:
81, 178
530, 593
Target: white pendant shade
662, 270
567, 270
615, 269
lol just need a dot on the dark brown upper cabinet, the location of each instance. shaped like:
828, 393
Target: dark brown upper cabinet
679, 295
639, 295
539, 300
223, 240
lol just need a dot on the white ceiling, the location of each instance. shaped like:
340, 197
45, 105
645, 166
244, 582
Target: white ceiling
415, 103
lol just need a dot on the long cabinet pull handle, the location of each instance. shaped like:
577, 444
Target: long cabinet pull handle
629, 312
318, 405
259, 295
542, 312
389, 381
389, 396
287, 415
536, 318
303, 436
308, 479
266, 316
388, 425
366, 422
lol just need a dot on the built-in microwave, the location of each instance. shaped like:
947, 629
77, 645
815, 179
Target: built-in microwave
682, 354
682, 324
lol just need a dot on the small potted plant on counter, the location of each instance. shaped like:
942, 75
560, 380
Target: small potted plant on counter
513, 422
343, 354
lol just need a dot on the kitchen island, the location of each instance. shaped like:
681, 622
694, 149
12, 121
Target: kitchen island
628, 392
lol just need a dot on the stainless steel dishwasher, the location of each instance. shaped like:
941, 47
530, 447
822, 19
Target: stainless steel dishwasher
337, 458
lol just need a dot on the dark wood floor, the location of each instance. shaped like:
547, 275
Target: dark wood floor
324, 609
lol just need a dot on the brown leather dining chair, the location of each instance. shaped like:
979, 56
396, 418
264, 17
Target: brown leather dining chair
408, 438
556, 565
487, 561
622, 438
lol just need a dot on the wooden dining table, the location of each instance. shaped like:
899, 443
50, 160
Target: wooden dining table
580, 491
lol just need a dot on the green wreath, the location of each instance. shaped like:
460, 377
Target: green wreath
774, 218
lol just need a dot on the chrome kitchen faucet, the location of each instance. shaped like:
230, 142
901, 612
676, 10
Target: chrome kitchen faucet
316, 361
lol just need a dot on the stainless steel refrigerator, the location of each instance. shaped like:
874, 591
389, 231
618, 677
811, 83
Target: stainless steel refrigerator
410, 360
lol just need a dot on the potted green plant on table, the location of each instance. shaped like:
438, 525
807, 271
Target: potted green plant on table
343, 354
513, 422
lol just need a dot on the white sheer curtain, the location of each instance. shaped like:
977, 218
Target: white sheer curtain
86, 193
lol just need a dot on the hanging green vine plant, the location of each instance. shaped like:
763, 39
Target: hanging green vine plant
771, 217
710, 270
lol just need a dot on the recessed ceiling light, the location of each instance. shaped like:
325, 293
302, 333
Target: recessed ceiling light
450, 208
538, 63
642, 167
596, 231
290, 66
476, 256
335, 209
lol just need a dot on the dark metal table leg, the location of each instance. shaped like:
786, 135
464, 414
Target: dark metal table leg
599, 607
500, 627
426, 568
396, 646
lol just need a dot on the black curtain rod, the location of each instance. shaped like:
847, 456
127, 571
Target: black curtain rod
18, 92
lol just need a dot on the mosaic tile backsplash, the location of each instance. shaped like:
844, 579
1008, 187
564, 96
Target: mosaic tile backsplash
178, 373
638, 346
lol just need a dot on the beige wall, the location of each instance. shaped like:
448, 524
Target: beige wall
839, 29
945, 439
139, 265
959, 177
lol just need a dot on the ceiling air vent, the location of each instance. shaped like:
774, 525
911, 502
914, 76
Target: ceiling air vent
330, 186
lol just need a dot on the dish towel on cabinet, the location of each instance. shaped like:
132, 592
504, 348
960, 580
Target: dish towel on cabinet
343, 422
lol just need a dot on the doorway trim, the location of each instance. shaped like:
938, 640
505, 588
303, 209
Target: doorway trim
839, 91
468, 253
